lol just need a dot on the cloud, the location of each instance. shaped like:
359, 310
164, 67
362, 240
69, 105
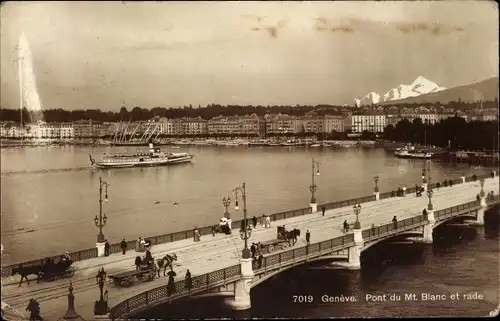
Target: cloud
433, 28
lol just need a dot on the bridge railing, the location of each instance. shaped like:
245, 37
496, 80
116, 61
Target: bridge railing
198, 283
207, 281
352, 201
207, 230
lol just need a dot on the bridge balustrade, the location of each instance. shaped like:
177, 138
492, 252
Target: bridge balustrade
200, 283
186, 234
207, 281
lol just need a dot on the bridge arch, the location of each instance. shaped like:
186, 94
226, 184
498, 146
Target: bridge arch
391, 237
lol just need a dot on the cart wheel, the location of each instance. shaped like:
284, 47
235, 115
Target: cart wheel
284, 246
270, 249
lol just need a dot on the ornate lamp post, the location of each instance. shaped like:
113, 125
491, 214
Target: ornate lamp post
357, 210
375, 179
226, 201
429, 186
246, 231
101, 306
101, 220
482, 188
313, 187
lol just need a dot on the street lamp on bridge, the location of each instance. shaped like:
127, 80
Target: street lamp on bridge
101, 306
313, 187
245, 231
226, 201
482, 187
375, 179
429, 186
101, 220
357, 211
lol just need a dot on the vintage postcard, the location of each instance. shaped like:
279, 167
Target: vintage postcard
249, 160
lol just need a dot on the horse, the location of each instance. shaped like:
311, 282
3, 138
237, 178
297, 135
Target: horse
291, 236
25, 271
166, 261
137, 262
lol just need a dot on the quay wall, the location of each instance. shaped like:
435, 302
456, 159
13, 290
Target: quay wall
6, 271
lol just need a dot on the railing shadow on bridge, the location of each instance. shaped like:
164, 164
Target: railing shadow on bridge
207, 230
297, 255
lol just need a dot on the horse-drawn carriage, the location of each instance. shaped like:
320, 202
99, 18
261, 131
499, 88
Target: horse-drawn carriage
48, 271
145, 271
283, 239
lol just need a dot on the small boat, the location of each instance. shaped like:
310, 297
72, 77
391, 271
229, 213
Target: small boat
140, 159
315, 145
174, 147
258, 143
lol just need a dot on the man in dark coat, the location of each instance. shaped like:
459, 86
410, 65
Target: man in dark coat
346, 226
188, 282
123, 245
253, 249
395, 222
261, 257
34, 309
106, 247
323, 209
308, 237
254, 221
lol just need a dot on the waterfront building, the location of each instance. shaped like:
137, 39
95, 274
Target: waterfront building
193, 126
333, 123
393, 119
252, 125
52, 130
224, 125
372, 122
429, 118
280, 124
91, 129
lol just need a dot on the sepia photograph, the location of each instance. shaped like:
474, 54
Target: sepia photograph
179, 160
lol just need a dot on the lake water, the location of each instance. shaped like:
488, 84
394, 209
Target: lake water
53, 191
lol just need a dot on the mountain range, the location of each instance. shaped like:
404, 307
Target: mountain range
420, 86
486, 90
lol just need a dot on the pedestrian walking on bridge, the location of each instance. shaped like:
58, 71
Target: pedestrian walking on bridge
106, 247
34, 309
259, 260
254, 221
323, 209
196, 234
308, 237
123, 245
188, 282
253, 249
346, 226
214, 230
395, 222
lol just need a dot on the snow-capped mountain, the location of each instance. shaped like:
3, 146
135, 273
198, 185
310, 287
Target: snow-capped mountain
371, 98
419, 86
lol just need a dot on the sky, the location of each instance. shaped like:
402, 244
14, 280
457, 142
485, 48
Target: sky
107, 55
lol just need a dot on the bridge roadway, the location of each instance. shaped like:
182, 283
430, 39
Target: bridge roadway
213, 253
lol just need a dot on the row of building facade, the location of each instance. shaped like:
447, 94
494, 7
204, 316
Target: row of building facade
252, 125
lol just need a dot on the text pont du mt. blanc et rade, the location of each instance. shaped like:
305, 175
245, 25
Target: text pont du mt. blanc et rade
390, 297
